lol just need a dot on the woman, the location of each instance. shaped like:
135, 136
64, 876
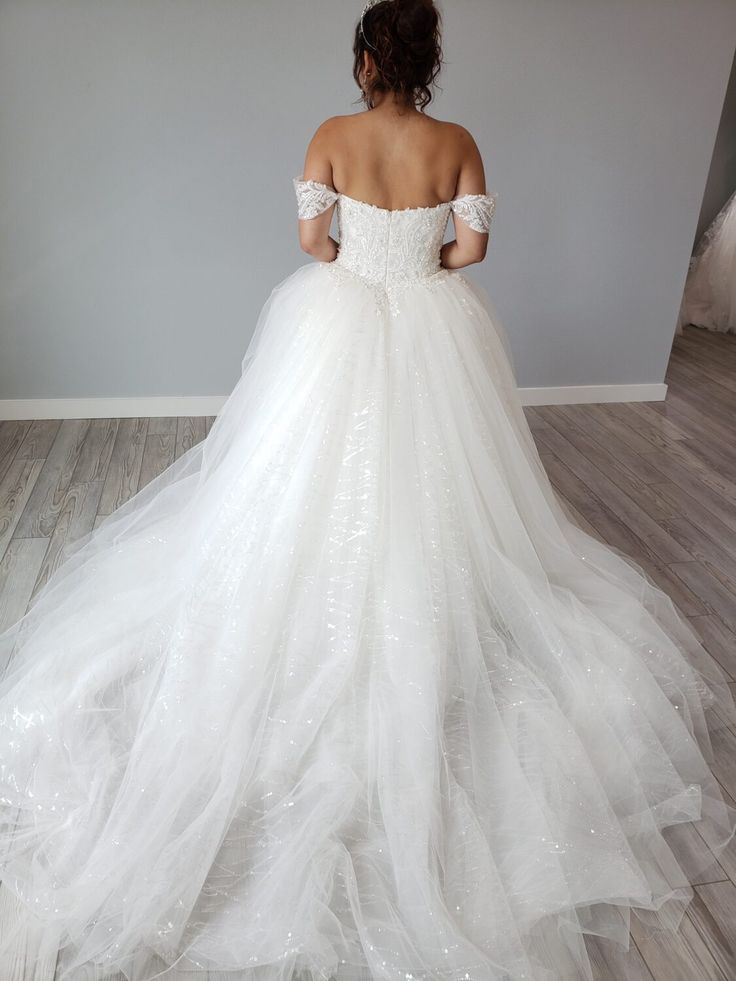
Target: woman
344, 693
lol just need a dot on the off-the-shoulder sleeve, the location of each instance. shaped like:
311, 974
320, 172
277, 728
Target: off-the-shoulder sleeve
312, 197
476, 210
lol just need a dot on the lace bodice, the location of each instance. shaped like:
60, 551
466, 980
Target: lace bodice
391, 247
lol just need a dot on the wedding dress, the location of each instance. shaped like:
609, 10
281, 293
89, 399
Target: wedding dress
344, 693
709, 298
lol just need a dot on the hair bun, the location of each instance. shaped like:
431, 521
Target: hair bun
416, 21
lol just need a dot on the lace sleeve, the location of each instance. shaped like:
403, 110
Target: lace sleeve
312, 198
476, 210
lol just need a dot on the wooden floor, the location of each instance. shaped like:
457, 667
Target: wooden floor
657, 480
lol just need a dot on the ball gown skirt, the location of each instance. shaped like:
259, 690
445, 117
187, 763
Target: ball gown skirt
709, 299
344, 693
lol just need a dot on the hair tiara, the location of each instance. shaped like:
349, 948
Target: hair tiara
371, 3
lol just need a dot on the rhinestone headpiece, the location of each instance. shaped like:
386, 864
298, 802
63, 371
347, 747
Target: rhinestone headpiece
371, 3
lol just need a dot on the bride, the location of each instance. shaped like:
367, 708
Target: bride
344, 693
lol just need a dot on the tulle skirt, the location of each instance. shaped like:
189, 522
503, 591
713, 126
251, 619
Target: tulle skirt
709, 299
344, 693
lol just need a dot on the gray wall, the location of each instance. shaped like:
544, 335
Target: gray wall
722, 175
148, 148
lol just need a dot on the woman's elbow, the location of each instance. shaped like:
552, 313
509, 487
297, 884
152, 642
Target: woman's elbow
310, 244
478, 250
473, 250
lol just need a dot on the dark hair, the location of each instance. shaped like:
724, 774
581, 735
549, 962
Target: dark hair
403, 36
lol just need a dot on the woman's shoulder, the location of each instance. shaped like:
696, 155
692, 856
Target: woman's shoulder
459, 132
442, 139
447, 128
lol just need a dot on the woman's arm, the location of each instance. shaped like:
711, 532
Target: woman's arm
469, 245
314, 233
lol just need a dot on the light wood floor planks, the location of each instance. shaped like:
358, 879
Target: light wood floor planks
656, 480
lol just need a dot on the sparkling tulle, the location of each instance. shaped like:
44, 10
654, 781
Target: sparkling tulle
343, 693
709, 299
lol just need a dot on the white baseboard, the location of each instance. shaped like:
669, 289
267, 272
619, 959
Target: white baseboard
578, 394
114, 408
210, 405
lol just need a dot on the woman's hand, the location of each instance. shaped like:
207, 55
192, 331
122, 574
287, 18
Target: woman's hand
323, 249
453, 255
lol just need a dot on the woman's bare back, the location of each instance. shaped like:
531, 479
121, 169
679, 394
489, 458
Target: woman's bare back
396, 160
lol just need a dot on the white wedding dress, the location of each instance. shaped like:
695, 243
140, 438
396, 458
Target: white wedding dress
709, 298
344, 693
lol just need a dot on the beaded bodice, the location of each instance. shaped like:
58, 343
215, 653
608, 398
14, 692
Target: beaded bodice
391, 247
